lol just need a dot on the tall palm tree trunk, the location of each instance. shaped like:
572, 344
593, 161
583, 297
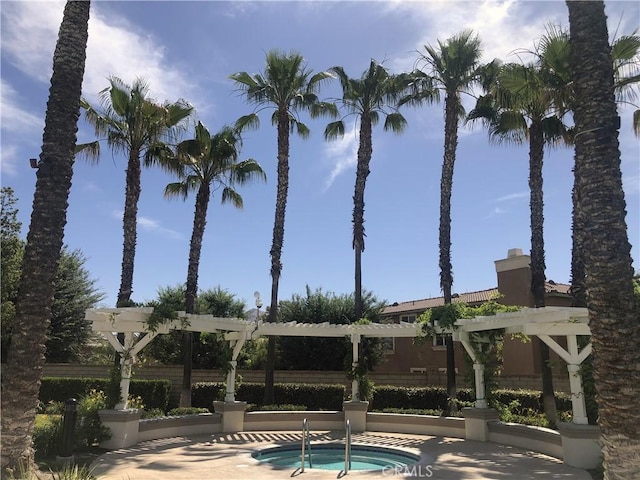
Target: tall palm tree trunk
365, 150
452, 108
132, 195
613, 315
23, 372
536, 156
191, 291
578, 293
129, 225
276, 247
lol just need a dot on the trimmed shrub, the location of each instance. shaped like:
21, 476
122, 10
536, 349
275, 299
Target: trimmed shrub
154, 393
287, 407
203, 394
187, 411
312, 396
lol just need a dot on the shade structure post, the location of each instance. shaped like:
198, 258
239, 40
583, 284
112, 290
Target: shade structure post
126, 362
578, 404
236, 345
355, 383
478, 370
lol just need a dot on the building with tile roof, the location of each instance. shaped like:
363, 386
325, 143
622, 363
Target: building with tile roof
404, 355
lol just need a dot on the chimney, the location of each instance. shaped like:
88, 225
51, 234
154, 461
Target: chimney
514, 278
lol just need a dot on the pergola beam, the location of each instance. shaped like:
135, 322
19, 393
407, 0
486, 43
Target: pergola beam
542, 322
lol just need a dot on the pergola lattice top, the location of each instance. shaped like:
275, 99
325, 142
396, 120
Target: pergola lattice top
542, 322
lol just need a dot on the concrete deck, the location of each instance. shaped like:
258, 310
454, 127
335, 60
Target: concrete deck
228, 457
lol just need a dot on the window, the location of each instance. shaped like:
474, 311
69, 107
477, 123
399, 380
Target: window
388, 345
408, 318
439, 341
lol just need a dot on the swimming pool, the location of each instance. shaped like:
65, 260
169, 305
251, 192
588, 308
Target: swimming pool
331, 457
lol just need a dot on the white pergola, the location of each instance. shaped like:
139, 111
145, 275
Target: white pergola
132, 322
543, 323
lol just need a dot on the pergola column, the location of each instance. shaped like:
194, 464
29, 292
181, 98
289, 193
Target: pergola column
355, 384
126, 362
127, 352
230, 396
478, 370
574, 358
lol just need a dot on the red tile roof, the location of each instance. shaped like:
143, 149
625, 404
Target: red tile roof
472, 298
422, 305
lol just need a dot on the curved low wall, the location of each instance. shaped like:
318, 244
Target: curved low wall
129, 430
164, 427
257, 421
418, 424
538, 439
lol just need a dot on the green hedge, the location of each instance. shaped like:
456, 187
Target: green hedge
531, 399
154, 393
435, 398
313, 396
432, 398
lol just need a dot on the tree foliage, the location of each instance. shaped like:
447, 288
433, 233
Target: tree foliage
317, 353
210, 350
75, 291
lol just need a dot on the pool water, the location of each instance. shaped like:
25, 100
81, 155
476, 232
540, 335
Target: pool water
331, 457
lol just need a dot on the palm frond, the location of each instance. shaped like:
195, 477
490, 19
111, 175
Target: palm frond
334, 130
230, 195
88, 151
395, 122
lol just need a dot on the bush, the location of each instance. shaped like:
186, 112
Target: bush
152, 413
154, 393
187, 411
283, 407
312, 396
89, 428
431, 398
46, 435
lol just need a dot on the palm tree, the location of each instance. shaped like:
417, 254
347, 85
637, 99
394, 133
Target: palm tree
205, 164
133, 123
376, 92
521, 106
613, 314
287, 86
22, 374
453, 67
625, 53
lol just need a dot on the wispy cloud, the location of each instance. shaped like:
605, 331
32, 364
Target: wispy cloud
495, 212
8, 160
512, 196
342, 154
16, 119
114, 48
151, 225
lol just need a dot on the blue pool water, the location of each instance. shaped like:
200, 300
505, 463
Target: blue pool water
331, 457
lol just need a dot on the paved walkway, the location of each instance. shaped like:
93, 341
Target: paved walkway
228, 457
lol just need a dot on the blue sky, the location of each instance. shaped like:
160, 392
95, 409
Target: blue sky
188, 50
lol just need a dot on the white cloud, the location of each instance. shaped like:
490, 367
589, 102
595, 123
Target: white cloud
115, 47
14, 118
495, 212
343, 155
513, 196
8, 160
151, 225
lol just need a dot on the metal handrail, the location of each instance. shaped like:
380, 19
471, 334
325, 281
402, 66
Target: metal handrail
347, 447
306, 441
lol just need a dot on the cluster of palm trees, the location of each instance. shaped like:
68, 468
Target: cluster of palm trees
518, 102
